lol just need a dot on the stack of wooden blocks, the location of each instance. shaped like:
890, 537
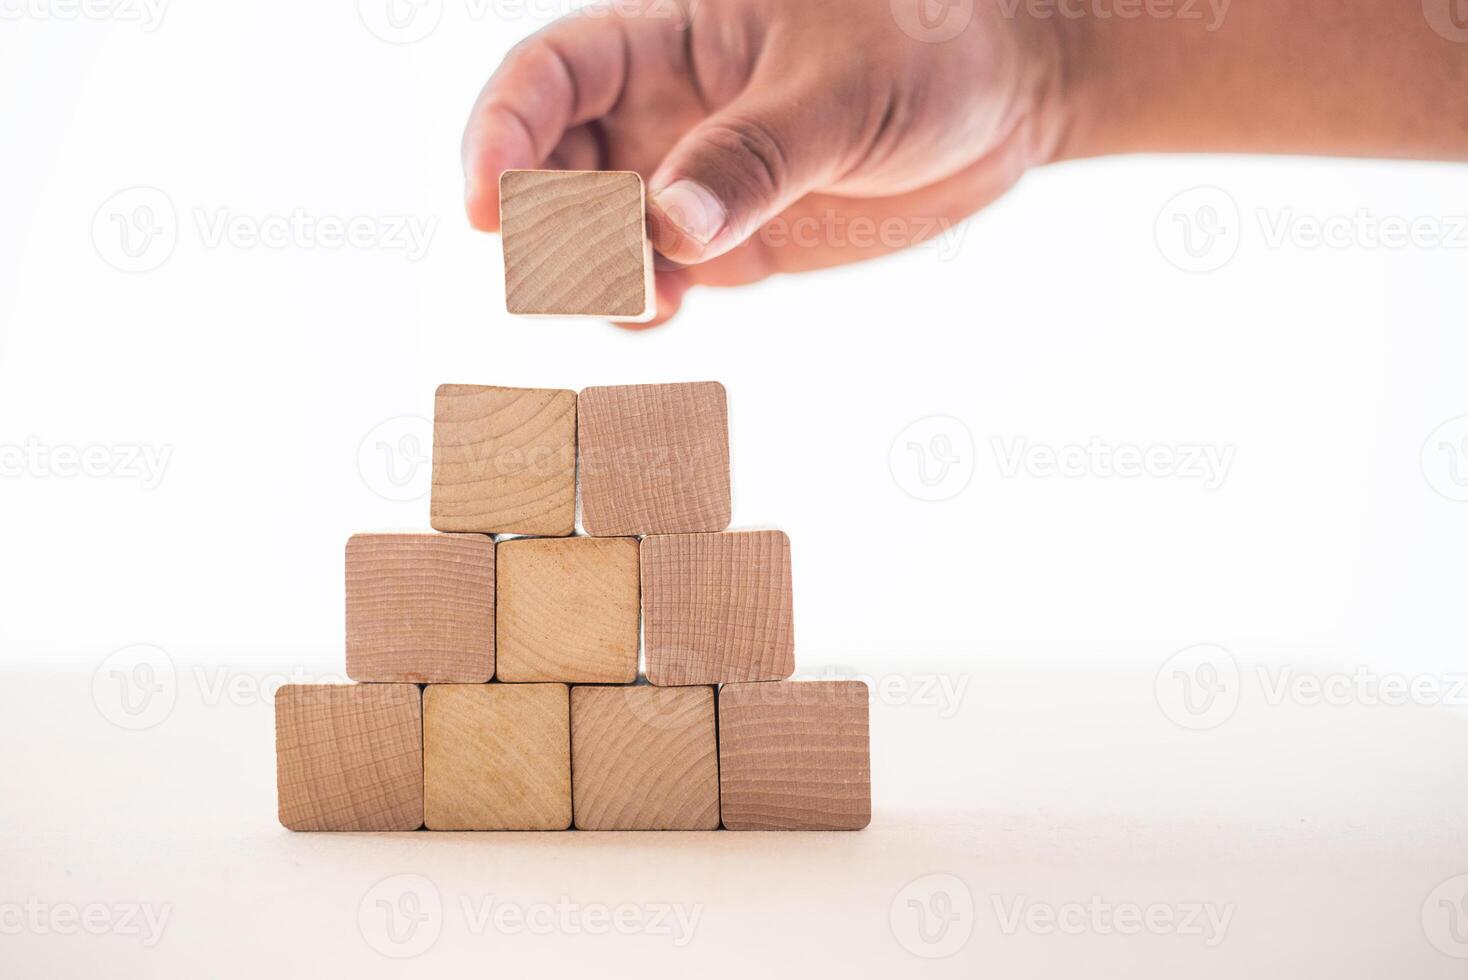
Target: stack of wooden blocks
496, 660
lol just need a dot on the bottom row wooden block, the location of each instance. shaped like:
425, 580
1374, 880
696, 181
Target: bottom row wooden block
385, 757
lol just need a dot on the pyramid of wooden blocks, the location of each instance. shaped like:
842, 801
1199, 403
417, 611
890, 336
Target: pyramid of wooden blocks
576, 244
496, 658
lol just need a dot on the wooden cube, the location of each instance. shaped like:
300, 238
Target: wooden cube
420, 608
566, 610
349, 756
795, 756
576, 244
654, 459
504, 460
717, 608
496, 757
644, 758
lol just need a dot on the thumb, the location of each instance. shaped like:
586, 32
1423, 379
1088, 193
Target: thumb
736, 171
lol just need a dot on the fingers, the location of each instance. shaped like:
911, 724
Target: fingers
741, 168
568, 74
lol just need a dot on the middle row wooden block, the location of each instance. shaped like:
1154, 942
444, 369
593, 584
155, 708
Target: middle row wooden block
461, 609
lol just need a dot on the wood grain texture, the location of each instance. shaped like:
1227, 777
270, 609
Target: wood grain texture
795, 755
576, 244
349, 756
504, 460
654, 459
717, 608
420, 608
567, 610
496, 757
644, 758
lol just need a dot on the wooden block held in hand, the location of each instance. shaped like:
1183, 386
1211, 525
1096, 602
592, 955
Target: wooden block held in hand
717, 608
349, 756
644, 758
576, 244
795, 755
496, 757
504, 460
420, 607
567, 610
654, 459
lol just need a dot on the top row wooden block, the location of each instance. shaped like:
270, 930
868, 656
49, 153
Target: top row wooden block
576, 244
653, 459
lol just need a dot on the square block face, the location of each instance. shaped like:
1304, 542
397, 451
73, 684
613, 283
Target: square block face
795, 756
654, 459
576, 244
349, 756
496, 757
644, 758
420, 608
567, 610
504, 460
717, 608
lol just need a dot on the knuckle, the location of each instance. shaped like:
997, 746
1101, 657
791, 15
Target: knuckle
761, 160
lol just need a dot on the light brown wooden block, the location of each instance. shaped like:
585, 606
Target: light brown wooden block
504, 460
654, 459
567, 610
644, 758
576, 244
717, 607
420, 607
496, 757
349, 756
795, 755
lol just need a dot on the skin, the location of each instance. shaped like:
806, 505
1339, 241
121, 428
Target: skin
796, 118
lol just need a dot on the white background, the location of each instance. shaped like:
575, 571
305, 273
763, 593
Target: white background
269, 374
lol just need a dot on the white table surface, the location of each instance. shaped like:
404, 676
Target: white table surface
1322, 836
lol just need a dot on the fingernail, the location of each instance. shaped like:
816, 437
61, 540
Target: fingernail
691, 208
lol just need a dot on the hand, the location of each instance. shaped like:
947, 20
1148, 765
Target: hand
765, 127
